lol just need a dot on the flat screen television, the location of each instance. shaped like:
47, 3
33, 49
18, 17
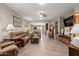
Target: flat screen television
69, 21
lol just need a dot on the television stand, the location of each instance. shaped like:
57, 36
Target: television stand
64, 39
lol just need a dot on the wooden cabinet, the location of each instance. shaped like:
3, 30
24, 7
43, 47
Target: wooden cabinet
77, 19
73, 51
64, 39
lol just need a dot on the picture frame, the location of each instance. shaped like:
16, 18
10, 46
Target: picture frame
17, 22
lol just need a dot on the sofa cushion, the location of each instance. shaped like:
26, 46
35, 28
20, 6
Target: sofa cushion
7, 43
0, 48
8, 48
25, 38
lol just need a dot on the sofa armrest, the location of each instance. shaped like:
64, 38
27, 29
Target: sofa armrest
7, 44
8, 48
9, 51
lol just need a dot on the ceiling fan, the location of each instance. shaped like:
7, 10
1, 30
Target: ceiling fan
43, 14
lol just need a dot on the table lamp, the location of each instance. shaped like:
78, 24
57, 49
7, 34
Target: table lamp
75, 31
10, 29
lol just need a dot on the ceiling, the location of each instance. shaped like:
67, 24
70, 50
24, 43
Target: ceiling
29, 11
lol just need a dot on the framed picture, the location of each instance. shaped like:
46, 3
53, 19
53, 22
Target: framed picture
17, 22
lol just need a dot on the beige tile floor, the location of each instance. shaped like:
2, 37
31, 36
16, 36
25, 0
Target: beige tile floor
46, 47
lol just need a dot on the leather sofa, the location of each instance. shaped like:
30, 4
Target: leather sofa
25, 40
24, 37
8, 49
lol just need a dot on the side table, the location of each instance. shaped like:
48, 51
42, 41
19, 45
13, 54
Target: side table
34, 40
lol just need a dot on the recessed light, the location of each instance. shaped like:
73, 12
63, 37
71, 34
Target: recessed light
42, 3
41, 18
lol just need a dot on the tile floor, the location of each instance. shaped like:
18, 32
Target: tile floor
46, 47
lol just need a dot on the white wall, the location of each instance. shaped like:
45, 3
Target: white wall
6, 17
77, 9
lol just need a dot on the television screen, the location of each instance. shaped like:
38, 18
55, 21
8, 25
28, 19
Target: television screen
68, 21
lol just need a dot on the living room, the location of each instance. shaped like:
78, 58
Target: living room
37, 28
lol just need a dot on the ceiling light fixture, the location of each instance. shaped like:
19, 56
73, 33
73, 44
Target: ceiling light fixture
42, 14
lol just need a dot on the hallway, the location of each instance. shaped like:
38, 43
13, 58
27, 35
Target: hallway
46, 47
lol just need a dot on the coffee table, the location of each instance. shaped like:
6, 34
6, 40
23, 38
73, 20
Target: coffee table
34, 40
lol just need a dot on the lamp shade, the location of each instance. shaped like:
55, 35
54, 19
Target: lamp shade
75, 29
10, 27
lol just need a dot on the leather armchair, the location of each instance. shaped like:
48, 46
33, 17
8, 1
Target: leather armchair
25, 40
8, 49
